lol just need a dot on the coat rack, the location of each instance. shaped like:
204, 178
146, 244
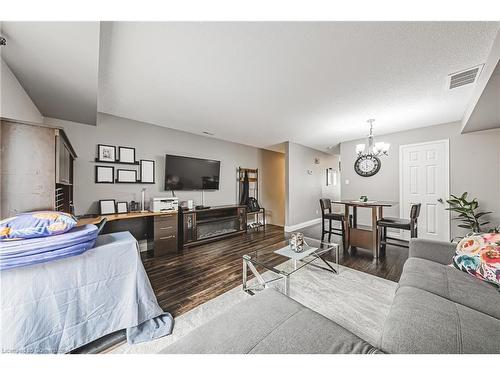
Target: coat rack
253, 191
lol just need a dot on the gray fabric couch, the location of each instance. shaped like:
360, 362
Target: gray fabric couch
439, 309
436, 309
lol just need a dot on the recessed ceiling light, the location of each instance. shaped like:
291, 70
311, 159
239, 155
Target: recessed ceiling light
208, 133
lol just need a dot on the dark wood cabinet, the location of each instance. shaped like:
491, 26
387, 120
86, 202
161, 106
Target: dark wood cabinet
205, 225
65, 156
165, 234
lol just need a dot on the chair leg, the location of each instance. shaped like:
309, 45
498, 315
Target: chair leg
342, 231
322, 227
384, 238
380, 239
330, 230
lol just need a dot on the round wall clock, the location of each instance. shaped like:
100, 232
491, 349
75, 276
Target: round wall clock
367, 165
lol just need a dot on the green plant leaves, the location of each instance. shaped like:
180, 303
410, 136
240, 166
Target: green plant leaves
466, 212
478, 215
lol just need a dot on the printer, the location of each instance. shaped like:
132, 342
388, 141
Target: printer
163, 204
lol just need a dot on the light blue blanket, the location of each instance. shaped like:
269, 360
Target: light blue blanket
20, 253
57, 306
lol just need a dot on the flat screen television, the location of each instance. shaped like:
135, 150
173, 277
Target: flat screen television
183, 173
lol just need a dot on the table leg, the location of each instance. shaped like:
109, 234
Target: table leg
286, 279
346, 240
337, 256
244, 275
354, 217
380, 247
327, 264
375, 244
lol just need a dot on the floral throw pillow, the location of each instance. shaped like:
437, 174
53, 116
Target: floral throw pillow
36, 224
479, 255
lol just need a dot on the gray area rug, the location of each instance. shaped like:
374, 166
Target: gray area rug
356, 300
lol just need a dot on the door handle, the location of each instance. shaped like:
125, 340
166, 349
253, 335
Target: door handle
440, 200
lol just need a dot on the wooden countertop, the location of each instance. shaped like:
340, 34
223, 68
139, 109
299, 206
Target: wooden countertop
125, 216
353, 202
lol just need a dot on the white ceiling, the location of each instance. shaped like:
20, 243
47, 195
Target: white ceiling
257, 83
57, 64
313, 83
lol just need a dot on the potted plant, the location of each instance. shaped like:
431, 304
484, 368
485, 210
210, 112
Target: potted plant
467, 212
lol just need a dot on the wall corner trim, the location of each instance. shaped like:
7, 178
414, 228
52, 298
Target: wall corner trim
291, 228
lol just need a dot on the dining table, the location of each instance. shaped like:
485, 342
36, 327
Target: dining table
366, 238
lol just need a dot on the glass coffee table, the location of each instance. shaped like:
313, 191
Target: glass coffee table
282, 262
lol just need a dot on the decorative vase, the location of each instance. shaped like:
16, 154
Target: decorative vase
297, 242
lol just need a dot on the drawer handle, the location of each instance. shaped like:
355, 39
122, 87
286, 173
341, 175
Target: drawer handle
166, 228
167, 237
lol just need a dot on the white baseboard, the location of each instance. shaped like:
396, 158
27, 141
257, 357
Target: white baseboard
291, 228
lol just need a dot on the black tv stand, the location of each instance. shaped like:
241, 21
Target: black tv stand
200, 226
201, 207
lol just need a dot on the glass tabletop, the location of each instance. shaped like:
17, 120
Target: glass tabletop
280, 259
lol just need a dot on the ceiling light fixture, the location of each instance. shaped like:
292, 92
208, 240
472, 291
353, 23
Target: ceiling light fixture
208, 133
3, 41
374, 149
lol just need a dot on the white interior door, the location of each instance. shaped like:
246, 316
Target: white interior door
424, 178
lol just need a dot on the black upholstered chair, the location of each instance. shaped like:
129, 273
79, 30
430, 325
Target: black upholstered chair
397, 223
327, 214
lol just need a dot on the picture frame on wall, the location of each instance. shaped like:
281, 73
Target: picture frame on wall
329, 176
106, 153
147, 171
121, 207
107, 206
104, 174
126, 176
126, 155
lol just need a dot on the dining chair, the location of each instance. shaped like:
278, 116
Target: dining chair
398, 223
327, 214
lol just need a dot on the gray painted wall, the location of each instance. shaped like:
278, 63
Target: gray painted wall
272, 192
151, 142
474, 167
486, 114
14, 101
333, 191
303, 189
490, 65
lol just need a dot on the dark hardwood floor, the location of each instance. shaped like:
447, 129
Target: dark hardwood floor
192, 277
388, 267
185, 280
